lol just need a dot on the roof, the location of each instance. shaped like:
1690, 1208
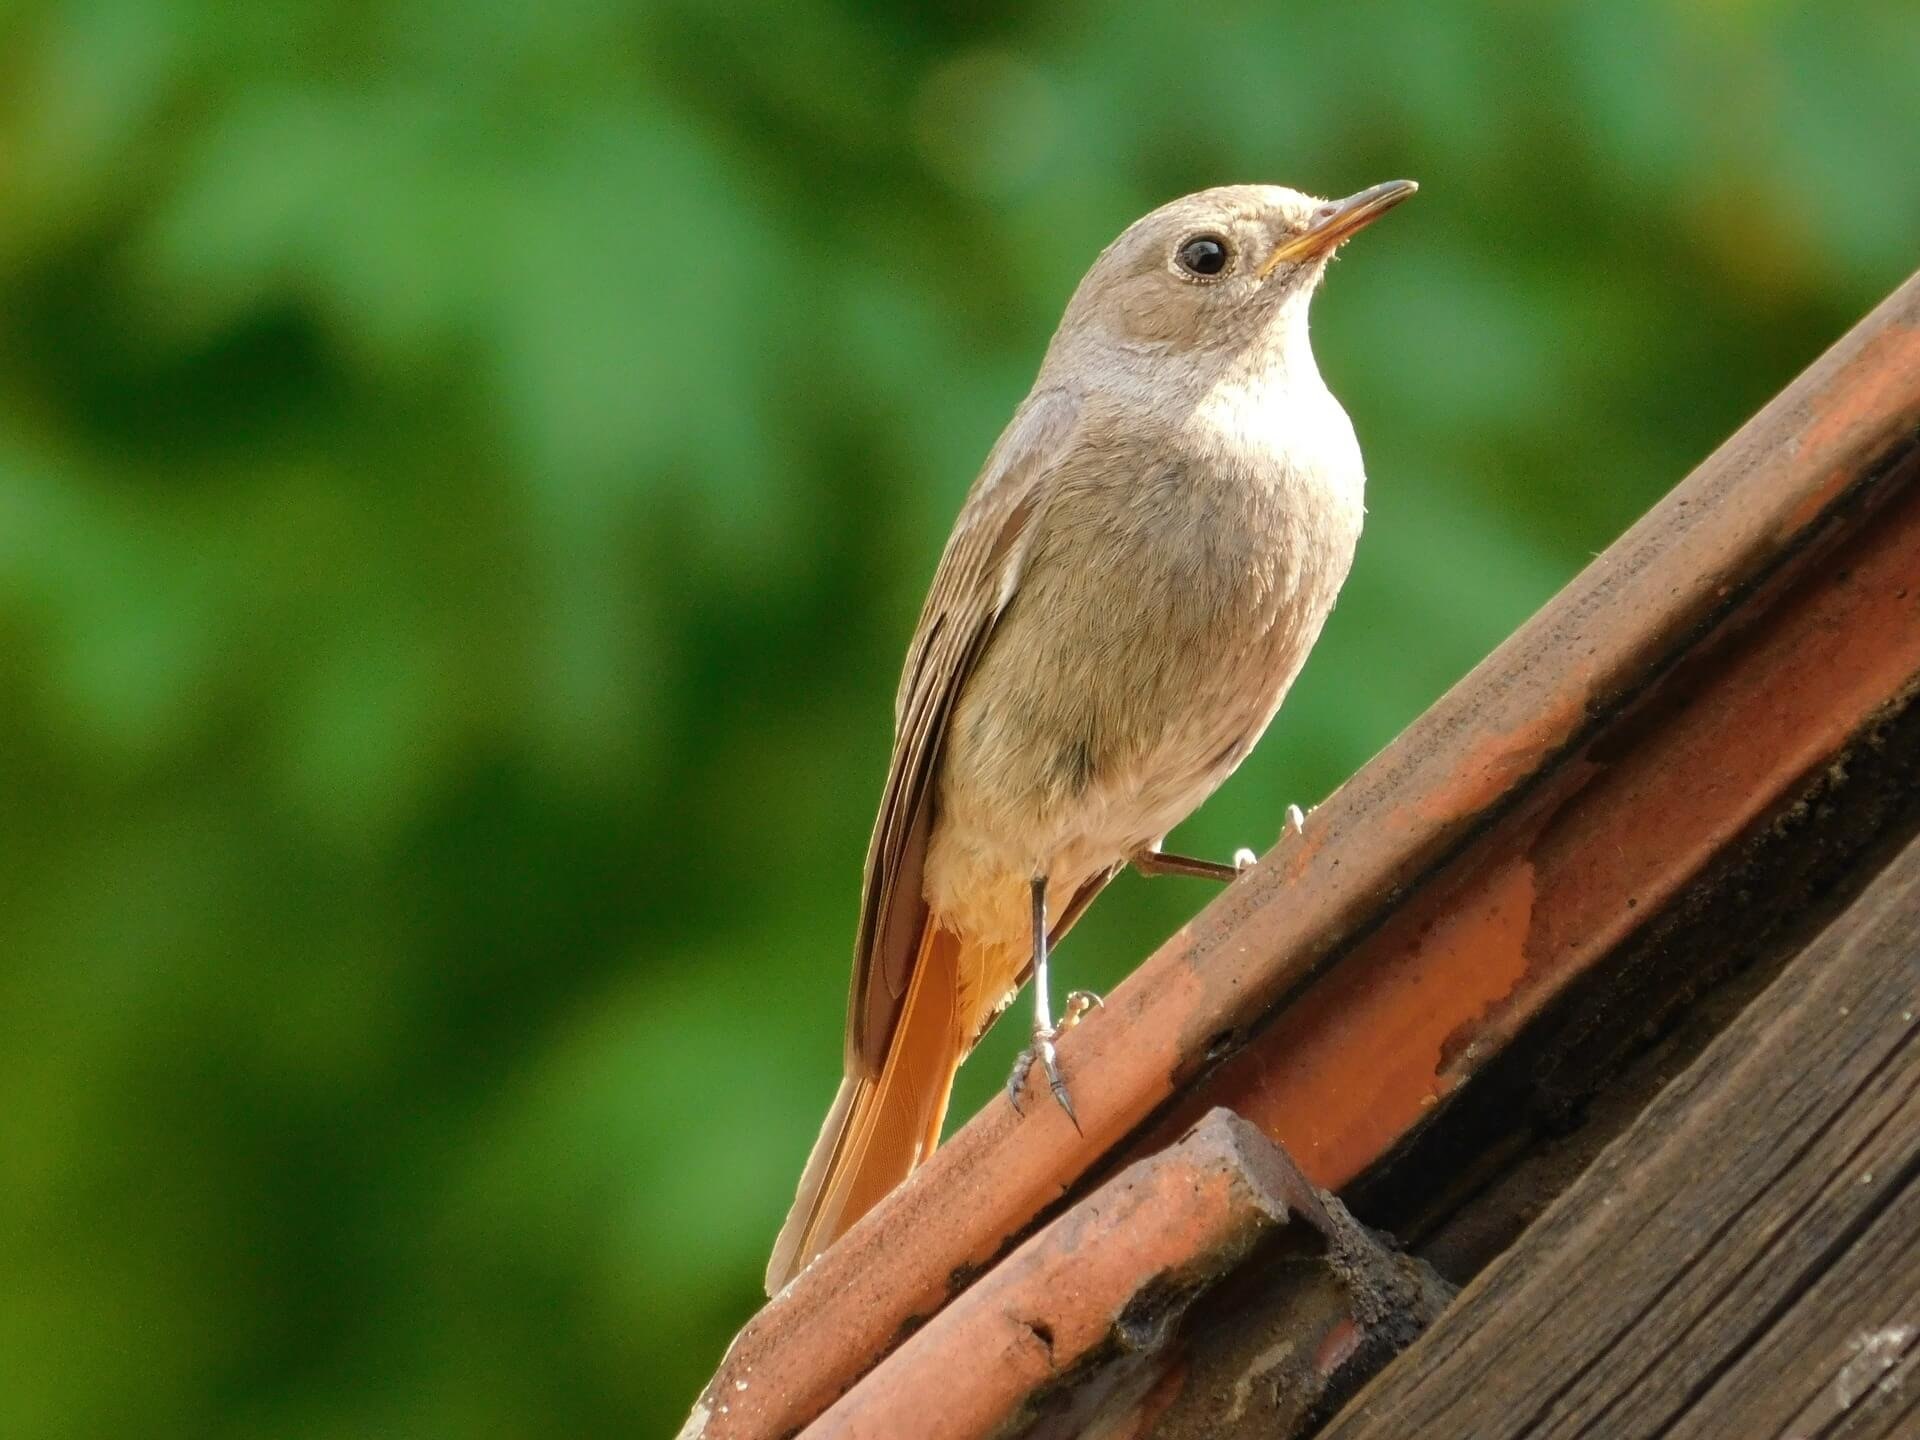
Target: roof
1638, 805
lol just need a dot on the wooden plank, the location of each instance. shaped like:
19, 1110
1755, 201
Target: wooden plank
1891, 1412
1724, 1263
1837, 1356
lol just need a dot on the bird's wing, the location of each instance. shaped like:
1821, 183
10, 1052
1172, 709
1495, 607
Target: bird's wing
975, 580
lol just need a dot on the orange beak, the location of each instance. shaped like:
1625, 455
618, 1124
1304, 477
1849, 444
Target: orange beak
1339, 220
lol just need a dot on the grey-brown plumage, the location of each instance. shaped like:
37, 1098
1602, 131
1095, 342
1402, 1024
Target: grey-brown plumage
1133, 584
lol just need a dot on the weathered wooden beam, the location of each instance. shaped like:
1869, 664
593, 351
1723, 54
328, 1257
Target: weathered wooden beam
1743, 1262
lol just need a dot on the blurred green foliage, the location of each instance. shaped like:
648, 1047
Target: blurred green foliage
467, 474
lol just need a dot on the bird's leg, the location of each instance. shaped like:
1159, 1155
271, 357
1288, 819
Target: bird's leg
1153, 861
1159, 862
1045, 1032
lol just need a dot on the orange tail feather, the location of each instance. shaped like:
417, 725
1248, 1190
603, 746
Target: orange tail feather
881, 1127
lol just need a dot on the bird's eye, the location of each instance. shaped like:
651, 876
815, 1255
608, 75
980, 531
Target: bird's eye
1204, 256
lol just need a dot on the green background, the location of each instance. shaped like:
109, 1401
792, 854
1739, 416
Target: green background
467, 474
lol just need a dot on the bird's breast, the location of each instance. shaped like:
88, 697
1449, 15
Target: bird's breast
1170, 596
1222, 618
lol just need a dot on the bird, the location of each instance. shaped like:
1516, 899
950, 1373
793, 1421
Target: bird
1130, 589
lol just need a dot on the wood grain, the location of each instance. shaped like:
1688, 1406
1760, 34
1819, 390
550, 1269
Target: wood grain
1744, 1262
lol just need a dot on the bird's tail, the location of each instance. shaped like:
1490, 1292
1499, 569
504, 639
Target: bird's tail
882, 1126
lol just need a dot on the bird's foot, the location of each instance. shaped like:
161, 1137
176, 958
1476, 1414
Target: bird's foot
1042, 1049
1155, 863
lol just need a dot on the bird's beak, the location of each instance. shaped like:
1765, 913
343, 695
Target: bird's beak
1337, 220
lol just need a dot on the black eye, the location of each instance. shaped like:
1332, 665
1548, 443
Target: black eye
1203, 255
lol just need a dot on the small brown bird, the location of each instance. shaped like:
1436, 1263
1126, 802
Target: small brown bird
1132, 585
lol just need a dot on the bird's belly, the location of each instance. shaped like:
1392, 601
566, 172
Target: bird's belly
1091, 784
1138, 800
1134, 670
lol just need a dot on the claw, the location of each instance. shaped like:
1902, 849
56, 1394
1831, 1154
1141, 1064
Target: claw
1043, 1051
1296, 821
1244, 859
1056, 1082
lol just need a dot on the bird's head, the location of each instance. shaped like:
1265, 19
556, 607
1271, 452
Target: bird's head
1217, 271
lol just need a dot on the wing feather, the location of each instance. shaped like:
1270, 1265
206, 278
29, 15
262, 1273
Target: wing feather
975, 580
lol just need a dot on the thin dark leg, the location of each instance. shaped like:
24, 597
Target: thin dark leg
1158, 862
1044, 1031
1042, 1005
